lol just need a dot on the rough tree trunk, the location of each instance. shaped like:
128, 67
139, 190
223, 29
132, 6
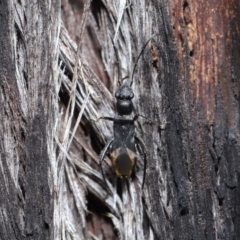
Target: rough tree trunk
54, 82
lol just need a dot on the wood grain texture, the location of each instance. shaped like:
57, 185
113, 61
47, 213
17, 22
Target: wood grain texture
53, 86
28, 58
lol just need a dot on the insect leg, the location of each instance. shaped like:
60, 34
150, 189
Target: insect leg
105, 118
139, 115
103, 155
144, 152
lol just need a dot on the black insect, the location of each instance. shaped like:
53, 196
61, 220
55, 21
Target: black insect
122, 148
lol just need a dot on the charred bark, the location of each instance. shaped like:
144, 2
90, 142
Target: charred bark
54, 83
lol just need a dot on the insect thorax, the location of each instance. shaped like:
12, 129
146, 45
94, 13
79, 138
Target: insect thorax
124, 96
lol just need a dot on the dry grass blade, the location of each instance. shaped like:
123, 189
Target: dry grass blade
90, 99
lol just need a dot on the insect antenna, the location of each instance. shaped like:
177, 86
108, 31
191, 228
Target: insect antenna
143, 48
118, 63
124, 79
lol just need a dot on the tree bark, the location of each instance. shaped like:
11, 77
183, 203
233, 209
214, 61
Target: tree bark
28, 60
54, 83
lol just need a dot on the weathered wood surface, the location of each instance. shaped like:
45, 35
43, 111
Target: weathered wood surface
187, 82
29, 51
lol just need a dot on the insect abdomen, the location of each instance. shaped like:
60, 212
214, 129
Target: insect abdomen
123, 160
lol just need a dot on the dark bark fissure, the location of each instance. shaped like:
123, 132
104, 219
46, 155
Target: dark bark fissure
38, 212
